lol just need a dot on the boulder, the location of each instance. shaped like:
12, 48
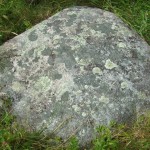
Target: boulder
81, 68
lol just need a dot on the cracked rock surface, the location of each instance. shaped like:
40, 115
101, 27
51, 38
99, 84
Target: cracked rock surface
81, 68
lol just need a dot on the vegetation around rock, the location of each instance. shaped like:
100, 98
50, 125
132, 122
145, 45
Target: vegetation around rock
113, 137
16, 16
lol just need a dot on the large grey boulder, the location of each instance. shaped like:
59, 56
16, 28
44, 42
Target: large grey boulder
81, 68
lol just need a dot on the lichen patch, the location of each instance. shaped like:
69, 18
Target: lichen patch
142, 95
97, 70
17, 87
76, 108
104, 99
124, 85
43, 84
110, 65
84, 114
121, 45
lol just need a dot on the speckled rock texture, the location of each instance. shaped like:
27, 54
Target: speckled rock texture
81, 68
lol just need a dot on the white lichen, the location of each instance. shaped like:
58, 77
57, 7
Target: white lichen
110, 65
86, 86
76, 108
71, 13
56, 39
43, 84
78, 92
141, 95
104, 99
82, 68
82, 132
124, 85
38, 51
77, 59
80, 40
121, 45
82, 62
113, 26
97, 70
17, 87
84, 114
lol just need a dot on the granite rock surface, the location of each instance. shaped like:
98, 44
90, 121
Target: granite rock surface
81, 68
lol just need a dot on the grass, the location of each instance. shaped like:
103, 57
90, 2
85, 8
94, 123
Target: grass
16, 16
114, 137
15, 137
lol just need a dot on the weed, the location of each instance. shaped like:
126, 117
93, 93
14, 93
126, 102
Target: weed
104, 140
136, 136
73, 144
